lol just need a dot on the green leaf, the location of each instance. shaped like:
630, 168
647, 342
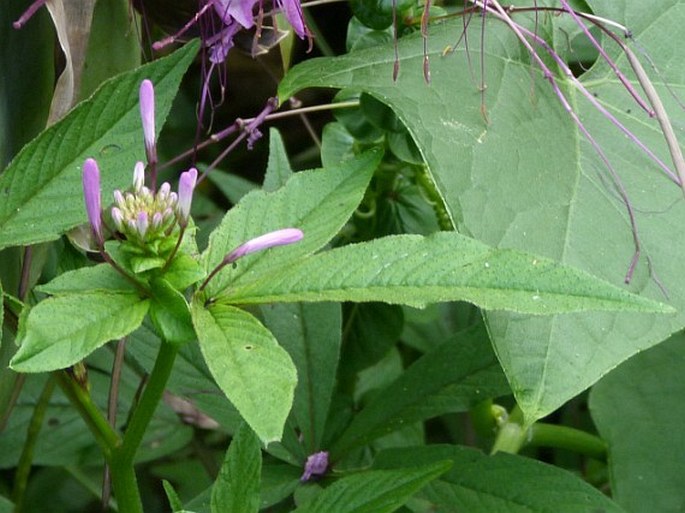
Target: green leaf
63, 330
456, 375
232, 186
318, 202
371, 330
278, 169
41, 191
374, 491
102, 277
337, 144
110, 35
415, 270
503, 483
254, 372
172, 497
170, 314
639, 410
530, 180
237, 486
311, 333
183, 271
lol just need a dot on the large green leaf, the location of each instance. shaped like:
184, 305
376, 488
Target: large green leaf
456, 375
415, 270
318, 202
639, 410
254, 372
63, 330
503, 483
530, 180
374, 491
311, 335
41, 191
237, 487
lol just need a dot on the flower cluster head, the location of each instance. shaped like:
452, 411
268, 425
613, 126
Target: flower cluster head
143, 215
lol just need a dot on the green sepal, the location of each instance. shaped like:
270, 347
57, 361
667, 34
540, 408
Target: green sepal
170, 313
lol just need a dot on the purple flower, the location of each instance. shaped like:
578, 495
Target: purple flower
186, 186
238, 10
316, 465
266, 241
91, 194
147, 114
293, 13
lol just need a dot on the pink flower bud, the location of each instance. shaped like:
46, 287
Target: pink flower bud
139, 174
186, 186
316, 465
147, 114
91, 194
142, 224
268, 240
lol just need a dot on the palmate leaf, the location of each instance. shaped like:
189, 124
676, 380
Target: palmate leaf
446, 266
41, 191
530, 180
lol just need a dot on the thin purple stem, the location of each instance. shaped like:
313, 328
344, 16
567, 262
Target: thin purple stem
248, 128
28, 14
518, 30
629, 87
424, 34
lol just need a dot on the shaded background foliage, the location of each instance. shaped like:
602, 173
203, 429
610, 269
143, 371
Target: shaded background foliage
406, 377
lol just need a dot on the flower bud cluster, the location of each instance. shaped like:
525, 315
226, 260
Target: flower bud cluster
143, 215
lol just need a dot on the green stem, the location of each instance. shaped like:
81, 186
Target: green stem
105, 436
121, 466
21, 477
512, 434
563, 437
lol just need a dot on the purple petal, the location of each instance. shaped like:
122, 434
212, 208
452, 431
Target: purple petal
268, 240
186, 185
316, 465
91, 194
238, 10
147, 114
221, 44
293, 12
